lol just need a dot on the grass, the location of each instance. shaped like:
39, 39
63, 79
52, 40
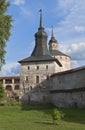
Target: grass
39, 118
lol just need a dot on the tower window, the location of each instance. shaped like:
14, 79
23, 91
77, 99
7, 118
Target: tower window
46, 66
26, 78
37, 67
37, 79
28, 67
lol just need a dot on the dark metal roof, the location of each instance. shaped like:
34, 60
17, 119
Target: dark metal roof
57, 52
40, 50
40, 59
52, 40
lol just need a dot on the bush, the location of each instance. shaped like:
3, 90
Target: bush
56, 116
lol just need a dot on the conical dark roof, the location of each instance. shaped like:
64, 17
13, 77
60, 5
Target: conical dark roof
40, 52
55, 52
53, 39
40, 48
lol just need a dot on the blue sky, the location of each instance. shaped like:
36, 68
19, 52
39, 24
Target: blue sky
67, 18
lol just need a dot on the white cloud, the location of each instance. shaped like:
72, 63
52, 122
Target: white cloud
25, 12
10, 69
74, 64
79, 28
19, 2
65, 4
71, 23
76, 50
77, 53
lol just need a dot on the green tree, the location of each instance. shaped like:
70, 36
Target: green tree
5, 26
57, 115
1, 91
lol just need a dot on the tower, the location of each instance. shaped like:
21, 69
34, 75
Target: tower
41, 64
53, 44
54, 51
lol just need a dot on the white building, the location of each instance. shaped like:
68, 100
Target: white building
43, 62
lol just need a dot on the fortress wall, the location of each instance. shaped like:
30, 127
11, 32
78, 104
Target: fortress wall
71, 79
64, 89
68, 88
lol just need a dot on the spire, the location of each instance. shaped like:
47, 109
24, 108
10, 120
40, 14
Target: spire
52, 35
40, 40
53, 44
40, 18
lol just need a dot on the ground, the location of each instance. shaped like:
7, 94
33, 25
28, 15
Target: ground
30, 117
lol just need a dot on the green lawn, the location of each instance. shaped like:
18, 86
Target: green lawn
39, 118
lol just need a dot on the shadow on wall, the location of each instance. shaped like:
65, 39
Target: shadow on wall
64, 90
40, 94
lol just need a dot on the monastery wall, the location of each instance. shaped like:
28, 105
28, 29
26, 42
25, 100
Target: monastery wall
65, 89
68, 88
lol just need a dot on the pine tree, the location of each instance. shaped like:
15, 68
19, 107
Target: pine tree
5, 26
1, 91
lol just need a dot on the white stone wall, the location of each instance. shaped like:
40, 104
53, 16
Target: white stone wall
68, 100
64, 89
42, 72
32, 72
69, 79
68, 88
65, 61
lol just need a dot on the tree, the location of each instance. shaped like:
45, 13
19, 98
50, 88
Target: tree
57, 115
5, 26
1, 91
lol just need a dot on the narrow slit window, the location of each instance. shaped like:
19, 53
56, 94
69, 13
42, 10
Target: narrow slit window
37, 67
28, 67
26, 78
46, 66
37, 79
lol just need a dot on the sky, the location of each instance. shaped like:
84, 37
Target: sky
67, 18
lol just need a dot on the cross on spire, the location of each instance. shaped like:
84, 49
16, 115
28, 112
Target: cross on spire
40, 18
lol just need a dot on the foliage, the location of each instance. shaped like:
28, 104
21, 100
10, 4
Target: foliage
1, 91
57, 115
8, 101
5, 26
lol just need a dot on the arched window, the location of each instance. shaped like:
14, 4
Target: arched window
9, 87
16, 87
